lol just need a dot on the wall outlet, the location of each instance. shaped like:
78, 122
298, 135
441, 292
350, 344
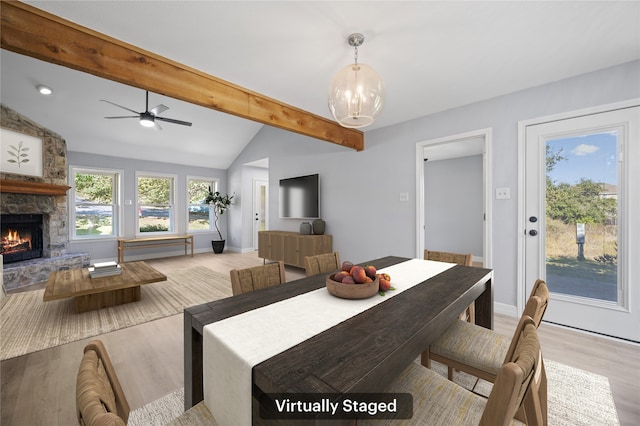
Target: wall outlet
404, 196
503, 193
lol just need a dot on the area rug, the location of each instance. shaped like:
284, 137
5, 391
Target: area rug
576, 397
27, 324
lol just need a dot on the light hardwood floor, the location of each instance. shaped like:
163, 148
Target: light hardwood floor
39, 388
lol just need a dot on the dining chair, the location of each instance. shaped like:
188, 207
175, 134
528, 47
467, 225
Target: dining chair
100, 400
257, 277
460, 259
99, 396
477, 350
322, 263
518, 395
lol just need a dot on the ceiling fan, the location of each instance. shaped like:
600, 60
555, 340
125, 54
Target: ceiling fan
149, 117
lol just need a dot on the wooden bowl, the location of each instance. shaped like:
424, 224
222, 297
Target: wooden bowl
352, 291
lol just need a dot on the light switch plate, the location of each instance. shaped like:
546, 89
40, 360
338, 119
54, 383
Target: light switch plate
503, 193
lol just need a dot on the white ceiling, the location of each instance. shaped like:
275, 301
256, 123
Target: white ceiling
432, 56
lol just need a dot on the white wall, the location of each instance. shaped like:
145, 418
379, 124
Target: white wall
360, 190
453, 205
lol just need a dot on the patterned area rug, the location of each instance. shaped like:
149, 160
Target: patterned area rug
576, 397
27, 324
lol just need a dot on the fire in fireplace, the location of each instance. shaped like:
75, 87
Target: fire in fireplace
21, 237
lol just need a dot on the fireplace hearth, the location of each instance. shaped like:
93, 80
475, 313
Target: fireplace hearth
21, 237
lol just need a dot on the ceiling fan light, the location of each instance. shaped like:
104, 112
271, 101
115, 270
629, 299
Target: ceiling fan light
147, 120
44, 90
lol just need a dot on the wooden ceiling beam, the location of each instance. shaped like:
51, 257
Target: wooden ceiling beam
33, 32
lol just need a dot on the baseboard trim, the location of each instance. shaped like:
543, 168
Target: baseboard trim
504, 309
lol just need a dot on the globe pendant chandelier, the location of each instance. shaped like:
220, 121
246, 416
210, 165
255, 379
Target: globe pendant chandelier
356, 95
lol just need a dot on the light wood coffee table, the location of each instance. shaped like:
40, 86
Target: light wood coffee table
95, 293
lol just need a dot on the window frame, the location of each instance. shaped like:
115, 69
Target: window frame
173, 220
215, 184
116, 204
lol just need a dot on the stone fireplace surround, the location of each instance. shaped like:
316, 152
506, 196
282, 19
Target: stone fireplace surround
33, 195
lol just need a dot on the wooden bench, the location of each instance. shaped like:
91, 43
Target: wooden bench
149, 242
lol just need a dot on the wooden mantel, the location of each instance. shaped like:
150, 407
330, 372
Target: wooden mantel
33, 32
37, 188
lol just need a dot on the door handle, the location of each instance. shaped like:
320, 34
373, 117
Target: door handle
533, 232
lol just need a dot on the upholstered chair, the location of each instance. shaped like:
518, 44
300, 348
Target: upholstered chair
477, 350
518, 395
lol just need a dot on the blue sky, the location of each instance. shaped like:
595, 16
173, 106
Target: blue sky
593, 156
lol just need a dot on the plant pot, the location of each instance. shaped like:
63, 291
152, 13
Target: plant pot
217, 245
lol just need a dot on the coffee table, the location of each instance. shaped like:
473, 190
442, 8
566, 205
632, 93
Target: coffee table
96, 293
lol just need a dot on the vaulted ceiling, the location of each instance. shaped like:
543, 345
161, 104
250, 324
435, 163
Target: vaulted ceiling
432, 56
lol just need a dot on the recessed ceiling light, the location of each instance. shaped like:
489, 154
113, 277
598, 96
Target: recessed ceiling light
44, 90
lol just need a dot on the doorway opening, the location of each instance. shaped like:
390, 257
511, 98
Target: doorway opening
255, 178
455, 149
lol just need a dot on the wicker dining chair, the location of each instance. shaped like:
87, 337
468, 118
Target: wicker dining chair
99, 396
257, 277
469, 314
321, 263
477, 350
518, 395
100, 400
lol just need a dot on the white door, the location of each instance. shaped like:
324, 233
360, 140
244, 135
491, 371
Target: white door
260, 209
582, 204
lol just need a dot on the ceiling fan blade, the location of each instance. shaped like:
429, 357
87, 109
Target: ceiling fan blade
171, 120
120, 106
159, 109
156, 126
126, 116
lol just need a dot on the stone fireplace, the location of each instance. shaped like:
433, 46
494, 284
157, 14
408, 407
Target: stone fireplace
44, 197
20, 237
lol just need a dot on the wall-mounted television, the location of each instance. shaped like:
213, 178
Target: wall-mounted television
300, 197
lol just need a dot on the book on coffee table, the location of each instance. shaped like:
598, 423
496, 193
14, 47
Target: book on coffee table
104, 269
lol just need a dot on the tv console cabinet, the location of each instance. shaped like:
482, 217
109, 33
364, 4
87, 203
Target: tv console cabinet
292, 247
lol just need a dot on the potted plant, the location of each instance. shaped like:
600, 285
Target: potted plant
219, 203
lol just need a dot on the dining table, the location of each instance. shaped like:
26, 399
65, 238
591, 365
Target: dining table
359, 354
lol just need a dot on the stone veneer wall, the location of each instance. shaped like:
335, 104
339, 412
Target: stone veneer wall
54, 208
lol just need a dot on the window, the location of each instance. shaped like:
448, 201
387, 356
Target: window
95, 212
198, 211
155, 203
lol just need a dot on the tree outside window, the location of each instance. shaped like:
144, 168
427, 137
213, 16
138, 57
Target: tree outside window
95, 205
155, 204
199, 211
